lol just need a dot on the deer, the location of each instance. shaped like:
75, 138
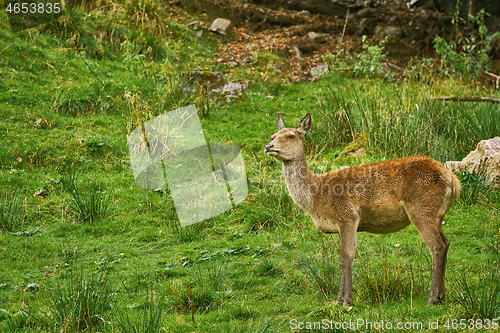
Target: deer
378, 198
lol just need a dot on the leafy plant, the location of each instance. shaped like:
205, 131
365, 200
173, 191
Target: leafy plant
89, 203
10, 211
132, 58
368, 61
420, 70
467, 56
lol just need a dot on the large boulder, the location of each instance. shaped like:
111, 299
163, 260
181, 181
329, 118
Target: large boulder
486, 158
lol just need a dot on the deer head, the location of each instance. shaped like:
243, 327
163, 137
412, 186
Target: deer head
287, 143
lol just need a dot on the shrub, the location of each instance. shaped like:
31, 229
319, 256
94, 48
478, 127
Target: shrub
467, 56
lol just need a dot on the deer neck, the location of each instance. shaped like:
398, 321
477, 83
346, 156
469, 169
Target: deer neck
300, 181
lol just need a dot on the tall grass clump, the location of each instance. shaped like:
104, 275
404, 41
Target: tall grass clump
187, 233
89, 202
205, 290
402, 121
74, 31
386, 282
81, 303
10, 211
478, 294
319, 269
145, 14
145, 318
473, 186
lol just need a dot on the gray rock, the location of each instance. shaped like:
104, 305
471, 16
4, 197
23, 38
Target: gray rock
230, 91
220, 25
486, 158
303, 13
392, 33
319, 70
319, 37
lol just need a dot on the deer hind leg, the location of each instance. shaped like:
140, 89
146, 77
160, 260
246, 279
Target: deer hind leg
347, 236
429, 228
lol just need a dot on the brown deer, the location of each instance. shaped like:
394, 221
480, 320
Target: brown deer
378, 198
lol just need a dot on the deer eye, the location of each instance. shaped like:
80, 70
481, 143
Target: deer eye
291, 136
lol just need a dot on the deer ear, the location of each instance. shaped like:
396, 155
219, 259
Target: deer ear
280, 122
305, 124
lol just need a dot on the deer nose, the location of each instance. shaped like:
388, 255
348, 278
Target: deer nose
269, 146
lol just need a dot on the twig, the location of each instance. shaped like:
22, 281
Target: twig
345, 25
496, 77
91, 70
467, 99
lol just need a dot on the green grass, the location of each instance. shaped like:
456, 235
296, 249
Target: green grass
76, 257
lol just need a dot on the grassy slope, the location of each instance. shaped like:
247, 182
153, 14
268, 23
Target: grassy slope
260, 264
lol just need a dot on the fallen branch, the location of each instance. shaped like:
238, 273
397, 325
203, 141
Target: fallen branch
496, 77
467, 99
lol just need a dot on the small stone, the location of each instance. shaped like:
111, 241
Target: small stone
220, 25
318, 37
303, 13
32, 287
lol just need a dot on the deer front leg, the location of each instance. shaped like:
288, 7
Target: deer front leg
347, 252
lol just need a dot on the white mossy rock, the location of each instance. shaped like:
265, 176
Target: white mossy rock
487, 156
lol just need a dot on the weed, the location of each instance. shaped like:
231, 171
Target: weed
268, 268
145, 14
204, 291
386, 282
479, 294
81, 303
17, 320
89, 203
10, 212
473, 186
369, 60
73, 32
131, 57
320, 270
467, 56
188, 233
422, 70
143, 318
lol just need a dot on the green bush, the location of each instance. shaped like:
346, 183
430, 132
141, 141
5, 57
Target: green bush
466, 56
